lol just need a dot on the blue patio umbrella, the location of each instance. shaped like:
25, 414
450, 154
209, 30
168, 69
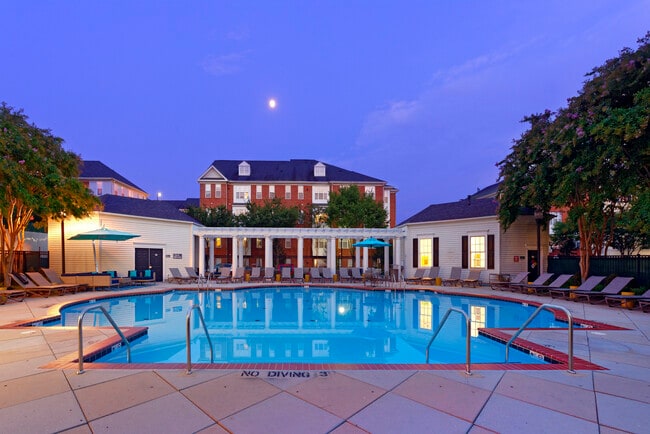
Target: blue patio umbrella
103, 234
371, 243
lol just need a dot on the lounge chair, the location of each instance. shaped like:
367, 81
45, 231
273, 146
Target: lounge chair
327, 275
224, 274
344, 274
503, 282
314, 274
177, 277
417, 277
239, 275
614, 287
55, 279
628, 301
16, 295
256, 274
430, 278
33, 289
269, 274
557, 283
191, 272
524, 287
644, 305
285, 275
42, 282
454, 277
472, 279
356, 274
298, 274
587, 285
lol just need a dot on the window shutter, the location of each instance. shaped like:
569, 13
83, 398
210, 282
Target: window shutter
436, 252
464, 261
416, 261
490, 252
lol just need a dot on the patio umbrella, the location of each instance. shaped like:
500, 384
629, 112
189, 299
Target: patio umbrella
371, 242
103, 234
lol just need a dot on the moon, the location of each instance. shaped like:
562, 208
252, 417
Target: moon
272, 103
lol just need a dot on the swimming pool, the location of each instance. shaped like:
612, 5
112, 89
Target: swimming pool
311, 325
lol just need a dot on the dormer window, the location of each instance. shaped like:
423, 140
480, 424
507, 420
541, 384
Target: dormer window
244, 169
319, 169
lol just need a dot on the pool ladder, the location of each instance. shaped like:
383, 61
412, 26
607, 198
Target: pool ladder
80, 328
468, 322
187, 336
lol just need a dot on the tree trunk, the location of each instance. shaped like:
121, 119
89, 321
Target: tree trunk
585, 248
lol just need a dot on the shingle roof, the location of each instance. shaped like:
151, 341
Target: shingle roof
97, 170
185, 203
292, 170
463, 209
143, 208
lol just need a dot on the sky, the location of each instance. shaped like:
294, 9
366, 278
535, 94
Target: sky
426, 95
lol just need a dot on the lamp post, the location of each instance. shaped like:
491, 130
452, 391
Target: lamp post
539, 218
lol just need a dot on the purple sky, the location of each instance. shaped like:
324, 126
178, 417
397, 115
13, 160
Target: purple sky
427, 95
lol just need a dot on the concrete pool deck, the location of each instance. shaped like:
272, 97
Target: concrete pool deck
38, 400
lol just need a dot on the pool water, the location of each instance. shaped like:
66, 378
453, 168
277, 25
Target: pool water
311, 325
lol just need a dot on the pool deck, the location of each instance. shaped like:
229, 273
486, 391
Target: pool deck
34, 399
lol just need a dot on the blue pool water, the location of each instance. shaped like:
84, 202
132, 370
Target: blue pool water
311, 325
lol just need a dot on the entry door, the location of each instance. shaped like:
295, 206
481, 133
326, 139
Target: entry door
533, 265
150, 258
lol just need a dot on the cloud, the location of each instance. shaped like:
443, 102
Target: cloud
224, 64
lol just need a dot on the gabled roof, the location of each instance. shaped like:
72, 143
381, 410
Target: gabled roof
489, 191
143, 208
463, 209
90, 169
286, 171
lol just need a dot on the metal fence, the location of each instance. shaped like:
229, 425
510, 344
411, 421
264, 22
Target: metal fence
30, 261
630, 266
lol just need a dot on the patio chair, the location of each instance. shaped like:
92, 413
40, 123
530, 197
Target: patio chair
16, 295
500, 283
224, 274
177, 277
269, 274
240, 272
256, 274
415, 279
33, 289
356, 274
299, 274
42, 282
454, 277
344, 274
314, 274
614, 287
55, 279
556, 283
327, 275
430, 278
285, 275
473, 279
644, 305
191, 272
628, 301
523, 287
587, 285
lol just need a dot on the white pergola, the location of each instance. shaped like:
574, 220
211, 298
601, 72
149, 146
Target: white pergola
238, 234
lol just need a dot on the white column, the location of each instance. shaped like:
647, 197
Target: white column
397, 256
365, 258
268, 252
357, 255
235, 253
201, 263
331, 255
386, 260
301, 248
240, 253
211, 242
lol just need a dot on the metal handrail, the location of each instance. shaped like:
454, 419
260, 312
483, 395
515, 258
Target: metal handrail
528, 321
117, 329
187, 336
468, 366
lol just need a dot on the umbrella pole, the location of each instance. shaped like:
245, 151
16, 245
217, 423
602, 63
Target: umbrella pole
95, 258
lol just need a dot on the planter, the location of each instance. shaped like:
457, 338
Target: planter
628, 304
572, 294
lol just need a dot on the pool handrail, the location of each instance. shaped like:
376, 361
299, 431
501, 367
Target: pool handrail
468, 321
187, 336
113, 323
532, 317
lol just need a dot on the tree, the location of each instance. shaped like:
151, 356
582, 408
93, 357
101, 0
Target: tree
219, 217
564, 237
348, 208
37, 178
591, 157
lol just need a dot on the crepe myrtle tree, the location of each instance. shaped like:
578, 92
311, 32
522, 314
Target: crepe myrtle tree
348, 208
37, 178
591, 157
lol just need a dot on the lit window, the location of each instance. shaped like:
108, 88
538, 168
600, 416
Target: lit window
426, 310
99, 188
478, 319
370, 191
208, 191
426, 252
258, 243
218, 243
242, 193
477, 252
345, 243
